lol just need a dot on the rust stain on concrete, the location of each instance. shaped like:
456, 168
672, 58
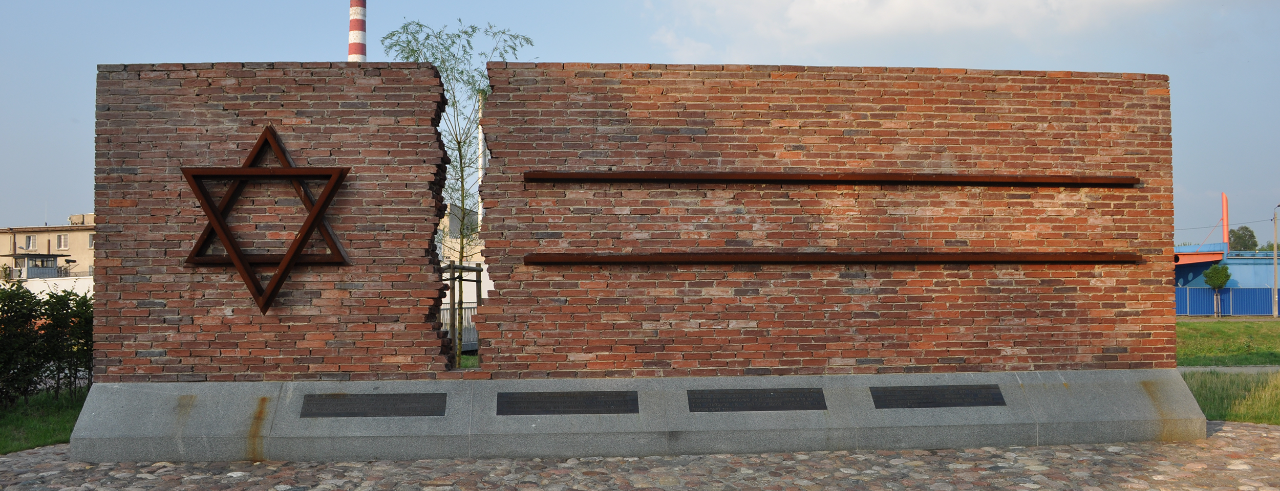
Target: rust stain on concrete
185, 403
1168, 430
183, 413
254, 445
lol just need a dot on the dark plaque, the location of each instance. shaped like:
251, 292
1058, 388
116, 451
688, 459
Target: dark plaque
583, 402
924, 396
731, 400
372, 405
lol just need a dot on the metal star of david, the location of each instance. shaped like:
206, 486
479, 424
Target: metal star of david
239, 177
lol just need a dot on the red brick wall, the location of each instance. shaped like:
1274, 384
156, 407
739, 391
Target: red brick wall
159, 319
618, 321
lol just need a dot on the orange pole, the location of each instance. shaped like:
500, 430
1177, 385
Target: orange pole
1226, 222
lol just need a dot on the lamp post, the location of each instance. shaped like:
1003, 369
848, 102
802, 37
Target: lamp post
1275, 301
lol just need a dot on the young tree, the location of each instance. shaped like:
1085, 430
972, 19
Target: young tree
1242, 239
1217, 277
466, 84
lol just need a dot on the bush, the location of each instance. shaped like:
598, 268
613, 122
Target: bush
68, 339
1217, 276
45, 343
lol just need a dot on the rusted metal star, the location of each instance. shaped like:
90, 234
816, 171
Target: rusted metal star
239, 177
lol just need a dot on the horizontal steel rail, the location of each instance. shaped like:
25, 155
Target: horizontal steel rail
832, 178
569, 258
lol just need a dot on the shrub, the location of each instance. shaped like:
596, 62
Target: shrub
19, 343
68, 339
45, 343
1217, 276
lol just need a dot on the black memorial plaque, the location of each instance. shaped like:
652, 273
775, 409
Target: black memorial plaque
926, 396
373, 405
581, 402
733, 400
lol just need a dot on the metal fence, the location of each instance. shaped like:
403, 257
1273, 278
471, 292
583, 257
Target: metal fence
35, 272
470, 340
1232, 301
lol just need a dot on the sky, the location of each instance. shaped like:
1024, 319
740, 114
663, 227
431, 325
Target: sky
1223, 59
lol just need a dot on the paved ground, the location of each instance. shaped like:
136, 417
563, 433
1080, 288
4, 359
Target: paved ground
1237, 456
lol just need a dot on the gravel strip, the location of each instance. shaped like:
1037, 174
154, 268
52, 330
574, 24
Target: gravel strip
1237, 456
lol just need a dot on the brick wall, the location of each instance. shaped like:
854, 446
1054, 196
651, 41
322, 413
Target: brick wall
159, 319
684, 320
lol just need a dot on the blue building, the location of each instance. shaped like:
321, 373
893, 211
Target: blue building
1190, 262
1247, 293
1249, 269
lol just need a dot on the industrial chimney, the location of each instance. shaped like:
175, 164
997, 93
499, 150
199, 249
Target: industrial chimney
355, 38
1226, 223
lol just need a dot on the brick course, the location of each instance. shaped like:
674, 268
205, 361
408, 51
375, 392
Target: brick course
159, 319
685, 320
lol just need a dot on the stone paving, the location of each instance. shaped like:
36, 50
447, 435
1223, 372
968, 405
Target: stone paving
1237, 456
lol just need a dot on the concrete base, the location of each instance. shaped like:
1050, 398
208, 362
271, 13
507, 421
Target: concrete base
210, 421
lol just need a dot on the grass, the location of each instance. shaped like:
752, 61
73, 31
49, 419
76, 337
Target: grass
1245, 397
1227, 343
469, 361
40, 421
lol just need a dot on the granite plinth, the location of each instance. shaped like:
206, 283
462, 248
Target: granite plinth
262, 420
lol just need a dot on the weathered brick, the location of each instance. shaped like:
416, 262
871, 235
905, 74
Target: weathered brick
159, 319
615, 321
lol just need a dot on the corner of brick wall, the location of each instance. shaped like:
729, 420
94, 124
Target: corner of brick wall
158, 319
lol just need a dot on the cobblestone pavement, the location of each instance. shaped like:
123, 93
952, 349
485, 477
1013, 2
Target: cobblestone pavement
1237, 456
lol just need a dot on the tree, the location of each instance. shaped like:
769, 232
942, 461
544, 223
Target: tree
1243, 239
1217, 277
466, 84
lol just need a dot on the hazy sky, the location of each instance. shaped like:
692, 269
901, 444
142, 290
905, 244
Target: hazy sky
1223, 58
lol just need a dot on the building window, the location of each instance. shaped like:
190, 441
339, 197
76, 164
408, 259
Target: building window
63, 242
31, 243
462, 222
91, 237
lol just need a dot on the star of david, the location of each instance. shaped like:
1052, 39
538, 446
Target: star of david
239, 177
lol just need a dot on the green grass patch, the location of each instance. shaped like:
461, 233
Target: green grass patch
1244, 397
1226, 343
40, 421
469, 361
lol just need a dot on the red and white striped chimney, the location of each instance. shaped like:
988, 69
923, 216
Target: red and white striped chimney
355, 39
